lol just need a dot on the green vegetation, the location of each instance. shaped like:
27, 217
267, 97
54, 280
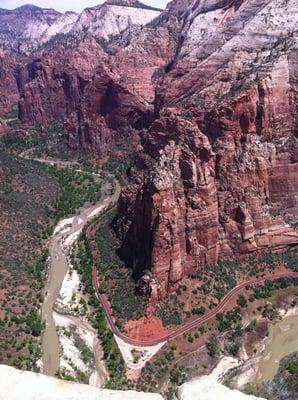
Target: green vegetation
32, 198
77, 189
241, 301
252, 325
213, 346
28, 361
117, 164
170, 310
208, 286
42, 144
119, 285
198, 311
37, 271
163, 368
266, 290
233, 349
293, 367
228, 319
34, 323
86, 353
178, 375
27, 198
82, 261
77, 376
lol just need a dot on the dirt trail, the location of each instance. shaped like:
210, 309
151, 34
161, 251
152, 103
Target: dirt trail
229, 297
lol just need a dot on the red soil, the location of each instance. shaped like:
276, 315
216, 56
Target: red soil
148, 327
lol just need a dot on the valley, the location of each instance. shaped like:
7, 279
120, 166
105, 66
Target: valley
148, 197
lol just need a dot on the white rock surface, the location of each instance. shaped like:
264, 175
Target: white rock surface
63, 24
106, 20
38, 26
206, 388
23, 385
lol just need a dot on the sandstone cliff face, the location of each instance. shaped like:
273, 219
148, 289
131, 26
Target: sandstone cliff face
53, 84
105, 106
8, 86
216, 173
113, 17
93, 90
77, 86
97, 91
26, 28
223, 154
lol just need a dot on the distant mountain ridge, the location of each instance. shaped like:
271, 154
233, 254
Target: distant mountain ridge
25, 28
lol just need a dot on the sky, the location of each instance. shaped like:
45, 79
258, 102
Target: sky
69, 5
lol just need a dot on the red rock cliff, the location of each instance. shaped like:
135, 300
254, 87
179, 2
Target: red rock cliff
222, 157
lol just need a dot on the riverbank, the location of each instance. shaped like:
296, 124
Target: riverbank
59, 283
282, 340
81, 355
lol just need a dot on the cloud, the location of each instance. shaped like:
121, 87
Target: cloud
65, 5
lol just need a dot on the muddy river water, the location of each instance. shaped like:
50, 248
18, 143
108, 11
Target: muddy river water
282, 341
65, 234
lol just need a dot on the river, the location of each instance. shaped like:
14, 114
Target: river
282, 341
64, 236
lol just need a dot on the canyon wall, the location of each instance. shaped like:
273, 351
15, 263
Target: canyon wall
210, 90
217, 176
9, 94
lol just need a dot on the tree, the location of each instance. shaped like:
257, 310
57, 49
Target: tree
213, 346
241, 301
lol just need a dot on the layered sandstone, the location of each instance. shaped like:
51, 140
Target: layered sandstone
222, 156
28, 28
52, 85
211, 89
8, 86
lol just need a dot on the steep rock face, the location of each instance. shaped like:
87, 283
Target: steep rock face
117, 87
52, 85
113, 17
176, 210
27, 28
8, 85
22, 27
140, 55
223, 164
105, 106
76, 86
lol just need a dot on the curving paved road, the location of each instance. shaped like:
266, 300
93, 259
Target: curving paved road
188, 326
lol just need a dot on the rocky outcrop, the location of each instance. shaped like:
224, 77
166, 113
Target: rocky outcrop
140, 55
52, 85
24, 385
222, 155
78, 87
175, 215
206, 388
28, 28
216, 171
105, 106
113, 17
8, 87
22, 28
